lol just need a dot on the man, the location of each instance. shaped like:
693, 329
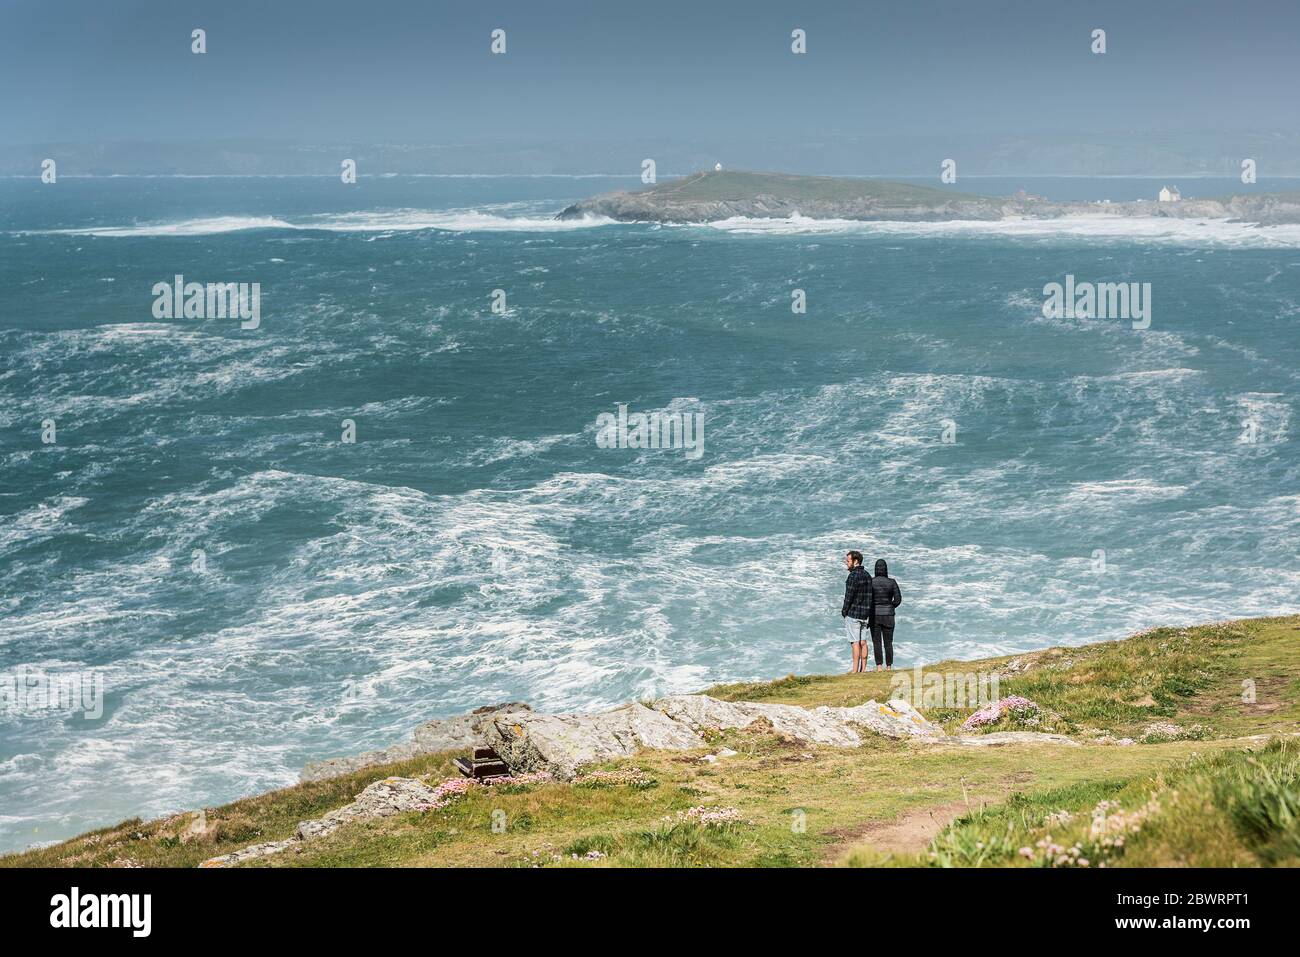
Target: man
885, 597
856, 610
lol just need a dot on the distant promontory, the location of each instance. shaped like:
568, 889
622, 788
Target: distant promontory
718, 195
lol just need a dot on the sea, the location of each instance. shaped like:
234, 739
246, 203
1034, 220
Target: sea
387, 502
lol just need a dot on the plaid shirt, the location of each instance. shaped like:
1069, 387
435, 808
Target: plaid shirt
857, 595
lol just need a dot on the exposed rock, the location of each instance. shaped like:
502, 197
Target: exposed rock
833, 726
528, 741
444, 734
894, 719
381, 799
252, 852
1100, 736
563, 743
700, 712
997, 738
462, 731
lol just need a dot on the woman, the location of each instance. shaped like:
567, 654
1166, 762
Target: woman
885, 597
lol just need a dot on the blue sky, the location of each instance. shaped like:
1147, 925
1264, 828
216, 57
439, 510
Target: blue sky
385, 71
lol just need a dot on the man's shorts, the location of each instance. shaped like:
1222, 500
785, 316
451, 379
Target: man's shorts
857, 630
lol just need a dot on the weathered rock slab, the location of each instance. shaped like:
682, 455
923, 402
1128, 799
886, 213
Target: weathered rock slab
381, 799
999, 738
564, 742
824, 725
893, 719
462, 731
384, 798
250, 853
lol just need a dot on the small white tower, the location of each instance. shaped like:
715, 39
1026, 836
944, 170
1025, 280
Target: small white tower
717, 167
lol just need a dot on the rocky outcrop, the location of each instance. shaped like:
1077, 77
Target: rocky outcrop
250, 853
832, 726
563, 743
999, 738
380, 799
444, 734
649, 207
710, 197
894, 719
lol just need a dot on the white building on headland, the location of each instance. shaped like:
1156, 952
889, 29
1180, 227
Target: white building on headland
1170, 195
717, 167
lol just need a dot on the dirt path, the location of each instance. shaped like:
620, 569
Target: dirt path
906, 834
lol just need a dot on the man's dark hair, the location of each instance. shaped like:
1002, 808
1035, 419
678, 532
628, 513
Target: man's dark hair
856, 557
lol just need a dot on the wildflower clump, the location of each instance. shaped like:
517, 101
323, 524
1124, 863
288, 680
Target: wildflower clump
1012, 709
633, 778
706, 816
530, 777
1108, 831
1162, 731
447, 791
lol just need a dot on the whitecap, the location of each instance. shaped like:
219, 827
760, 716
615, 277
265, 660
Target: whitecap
366, 221
1154, 229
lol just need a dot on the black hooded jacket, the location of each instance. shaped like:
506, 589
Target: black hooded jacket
857, 601
885, 594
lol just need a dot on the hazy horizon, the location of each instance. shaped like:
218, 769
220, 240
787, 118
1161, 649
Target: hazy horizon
883, 89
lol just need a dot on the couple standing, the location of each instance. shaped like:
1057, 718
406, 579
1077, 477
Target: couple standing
869, 603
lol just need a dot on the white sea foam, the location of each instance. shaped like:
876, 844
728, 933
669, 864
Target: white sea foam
208, 226
537, 217
455, 220
1191, 232
1132, 489
39, 521
496, 219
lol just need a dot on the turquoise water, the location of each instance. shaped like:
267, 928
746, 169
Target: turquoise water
475, 544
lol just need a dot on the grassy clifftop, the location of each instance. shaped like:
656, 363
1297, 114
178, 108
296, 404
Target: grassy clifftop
736, 185
1212, 778
715, 195
712, 195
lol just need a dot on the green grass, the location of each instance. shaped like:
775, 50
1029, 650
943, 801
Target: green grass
803, 805
1232, 808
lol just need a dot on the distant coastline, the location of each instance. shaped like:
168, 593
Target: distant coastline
711, 196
